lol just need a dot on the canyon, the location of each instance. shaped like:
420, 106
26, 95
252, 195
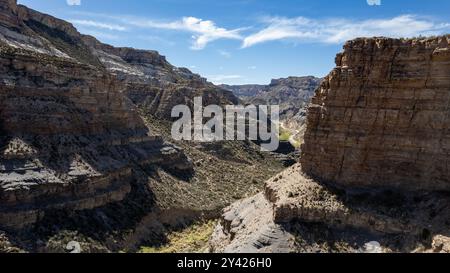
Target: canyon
85, 146
374, 163
292, 94
86, 152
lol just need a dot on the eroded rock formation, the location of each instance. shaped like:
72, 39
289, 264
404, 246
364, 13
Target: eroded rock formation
153, 83
70, 138
374, 166
85, 142
382, 117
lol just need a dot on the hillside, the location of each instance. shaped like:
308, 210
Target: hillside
85, 149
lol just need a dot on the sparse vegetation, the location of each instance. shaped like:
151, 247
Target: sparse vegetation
193, 239
284, 135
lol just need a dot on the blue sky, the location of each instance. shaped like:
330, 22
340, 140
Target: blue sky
248, 41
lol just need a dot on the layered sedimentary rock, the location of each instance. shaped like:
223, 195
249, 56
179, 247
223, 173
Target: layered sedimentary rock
153, 83
70, 138
8, 11
298, 214
382, 116
374, 162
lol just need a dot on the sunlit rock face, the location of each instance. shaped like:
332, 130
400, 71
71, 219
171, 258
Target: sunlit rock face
381, 117
374, 173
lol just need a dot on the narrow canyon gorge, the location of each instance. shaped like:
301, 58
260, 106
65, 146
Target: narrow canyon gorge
86, 152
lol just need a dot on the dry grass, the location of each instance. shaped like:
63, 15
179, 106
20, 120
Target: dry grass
193, 239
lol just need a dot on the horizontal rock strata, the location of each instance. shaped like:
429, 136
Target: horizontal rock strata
70, 138
374, 166
272, 221
381, 118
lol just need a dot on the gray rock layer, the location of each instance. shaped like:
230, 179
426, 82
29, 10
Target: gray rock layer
70, 137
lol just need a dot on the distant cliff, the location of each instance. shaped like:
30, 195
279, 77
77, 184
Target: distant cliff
292, 94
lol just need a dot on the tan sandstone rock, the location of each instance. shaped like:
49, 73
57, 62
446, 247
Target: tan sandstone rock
381, 117
374, 166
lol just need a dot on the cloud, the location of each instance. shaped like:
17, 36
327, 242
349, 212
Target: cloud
101, 35
252, 67
374, 2
224, 53
73, 2
95, 24
204, 31
220, 79
340, 30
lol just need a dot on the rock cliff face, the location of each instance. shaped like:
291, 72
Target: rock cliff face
374, 162
69, 139
8, 11
154, 84
382, 117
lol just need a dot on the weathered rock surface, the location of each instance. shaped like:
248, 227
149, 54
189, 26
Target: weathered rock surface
298, 214
78, 160
153, 83
69, 139
248, 226
374, 162
381, 118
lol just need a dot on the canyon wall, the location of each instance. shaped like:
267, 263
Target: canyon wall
374, 165
85, 141
381, 118
70, 138
153, 83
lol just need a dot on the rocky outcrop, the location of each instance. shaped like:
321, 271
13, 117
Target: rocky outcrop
381, 118
154, 84
70, 139
298, 214
373, 166
8, 12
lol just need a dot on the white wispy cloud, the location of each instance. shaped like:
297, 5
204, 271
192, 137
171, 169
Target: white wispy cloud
101, 35
204, 31
374, 2
220, 79
297, 29
96, 24
73, 2
224, 53
340, 30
